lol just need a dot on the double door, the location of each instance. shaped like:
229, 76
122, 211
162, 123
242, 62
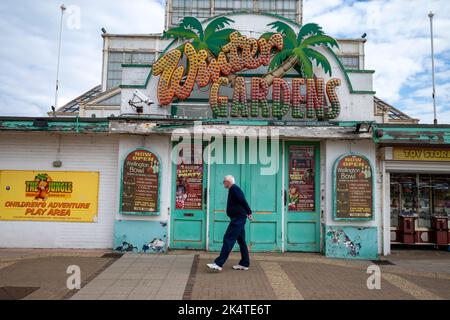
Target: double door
278, 211
263, 193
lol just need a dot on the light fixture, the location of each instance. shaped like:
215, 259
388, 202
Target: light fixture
366, 126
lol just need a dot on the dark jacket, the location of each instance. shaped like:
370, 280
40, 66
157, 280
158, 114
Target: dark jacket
237, 206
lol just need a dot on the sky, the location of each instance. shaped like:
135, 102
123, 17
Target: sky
398, 47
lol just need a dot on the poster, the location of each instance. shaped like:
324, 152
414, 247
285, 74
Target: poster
301, 194
189, 179
354, 189
140, 183
189, 193
53, 196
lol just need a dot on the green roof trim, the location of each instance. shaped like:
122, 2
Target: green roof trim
136, 65
359, 71
413, 135
76, 125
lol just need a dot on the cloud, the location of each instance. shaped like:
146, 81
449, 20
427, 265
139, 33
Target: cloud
29, 36
398, 46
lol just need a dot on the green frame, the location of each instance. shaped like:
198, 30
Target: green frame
158, 206
372, 218
173, 196
317, 189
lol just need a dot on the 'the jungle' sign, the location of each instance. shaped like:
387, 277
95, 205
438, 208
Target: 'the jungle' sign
214, 56
49, 196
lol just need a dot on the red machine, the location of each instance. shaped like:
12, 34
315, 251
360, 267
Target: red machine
439, 227
407, 229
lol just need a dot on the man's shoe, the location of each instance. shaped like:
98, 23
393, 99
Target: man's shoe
214, 266
239, 267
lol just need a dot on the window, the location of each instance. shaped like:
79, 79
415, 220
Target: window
202, 8
395, 200
424, 205
423, 195
285, 8
350, 62
229, 5
441, 195
115, 61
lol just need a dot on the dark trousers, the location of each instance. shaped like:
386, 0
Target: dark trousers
235, 232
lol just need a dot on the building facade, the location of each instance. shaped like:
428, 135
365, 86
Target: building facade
286, 109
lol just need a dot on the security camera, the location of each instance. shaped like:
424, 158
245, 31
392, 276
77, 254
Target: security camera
142, 97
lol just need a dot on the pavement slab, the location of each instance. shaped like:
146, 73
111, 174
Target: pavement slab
141, 277
49, 274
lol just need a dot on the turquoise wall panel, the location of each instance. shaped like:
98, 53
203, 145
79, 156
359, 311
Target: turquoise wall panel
188, 230
351, 242
140, 236
220, 228
301, 232
263, 232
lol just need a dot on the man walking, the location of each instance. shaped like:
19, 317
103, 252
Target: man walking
238, 210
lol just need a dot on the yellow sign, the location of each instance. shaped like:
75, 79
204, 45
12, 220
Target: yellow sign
59, 196
421, 154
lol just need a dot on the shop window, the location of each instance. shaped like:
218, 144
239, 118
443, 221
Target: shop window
424, 205
423, 195
408, 192
441, 195
395, 200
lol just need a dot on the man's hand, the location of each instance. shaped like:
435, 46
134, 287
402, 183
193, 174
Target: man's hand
250, 217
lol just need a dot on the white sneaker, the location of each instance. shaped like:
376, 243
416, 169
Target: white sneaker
239, 267
214, 266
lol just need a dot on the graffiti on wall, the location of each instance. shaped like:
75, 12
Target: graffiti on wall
351, 242
140, 236
341, 241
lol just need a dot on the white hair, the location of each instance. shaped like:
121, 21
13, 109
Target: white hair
230, 178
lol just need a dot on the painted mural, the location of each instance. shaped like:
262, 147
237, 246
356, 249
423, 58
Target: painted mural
351, 242
213, 56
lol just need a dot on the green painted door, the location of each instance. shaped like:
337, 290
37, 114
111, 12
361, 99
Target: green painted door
263, 193
188, 214
302, 207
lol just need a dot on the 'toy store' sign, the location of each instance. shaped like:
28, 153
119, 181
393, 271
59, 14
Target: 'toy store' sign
214, 56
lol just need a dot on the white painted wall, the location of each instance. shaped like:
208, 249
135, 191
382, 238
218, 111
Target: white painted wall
333, 150
78, 153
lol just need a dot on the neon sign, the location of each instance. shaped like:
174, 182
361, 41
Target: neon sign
281, 51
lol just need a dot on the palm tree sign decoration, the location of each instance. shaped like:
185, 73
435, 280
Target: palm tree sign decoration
293, 51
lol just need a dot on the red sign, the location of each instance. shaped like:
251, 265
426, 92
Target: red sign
189, 192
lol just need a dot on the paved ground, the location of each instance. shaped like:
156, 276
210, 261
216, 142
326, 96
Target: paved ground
183, 275
141, 277
48, 275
